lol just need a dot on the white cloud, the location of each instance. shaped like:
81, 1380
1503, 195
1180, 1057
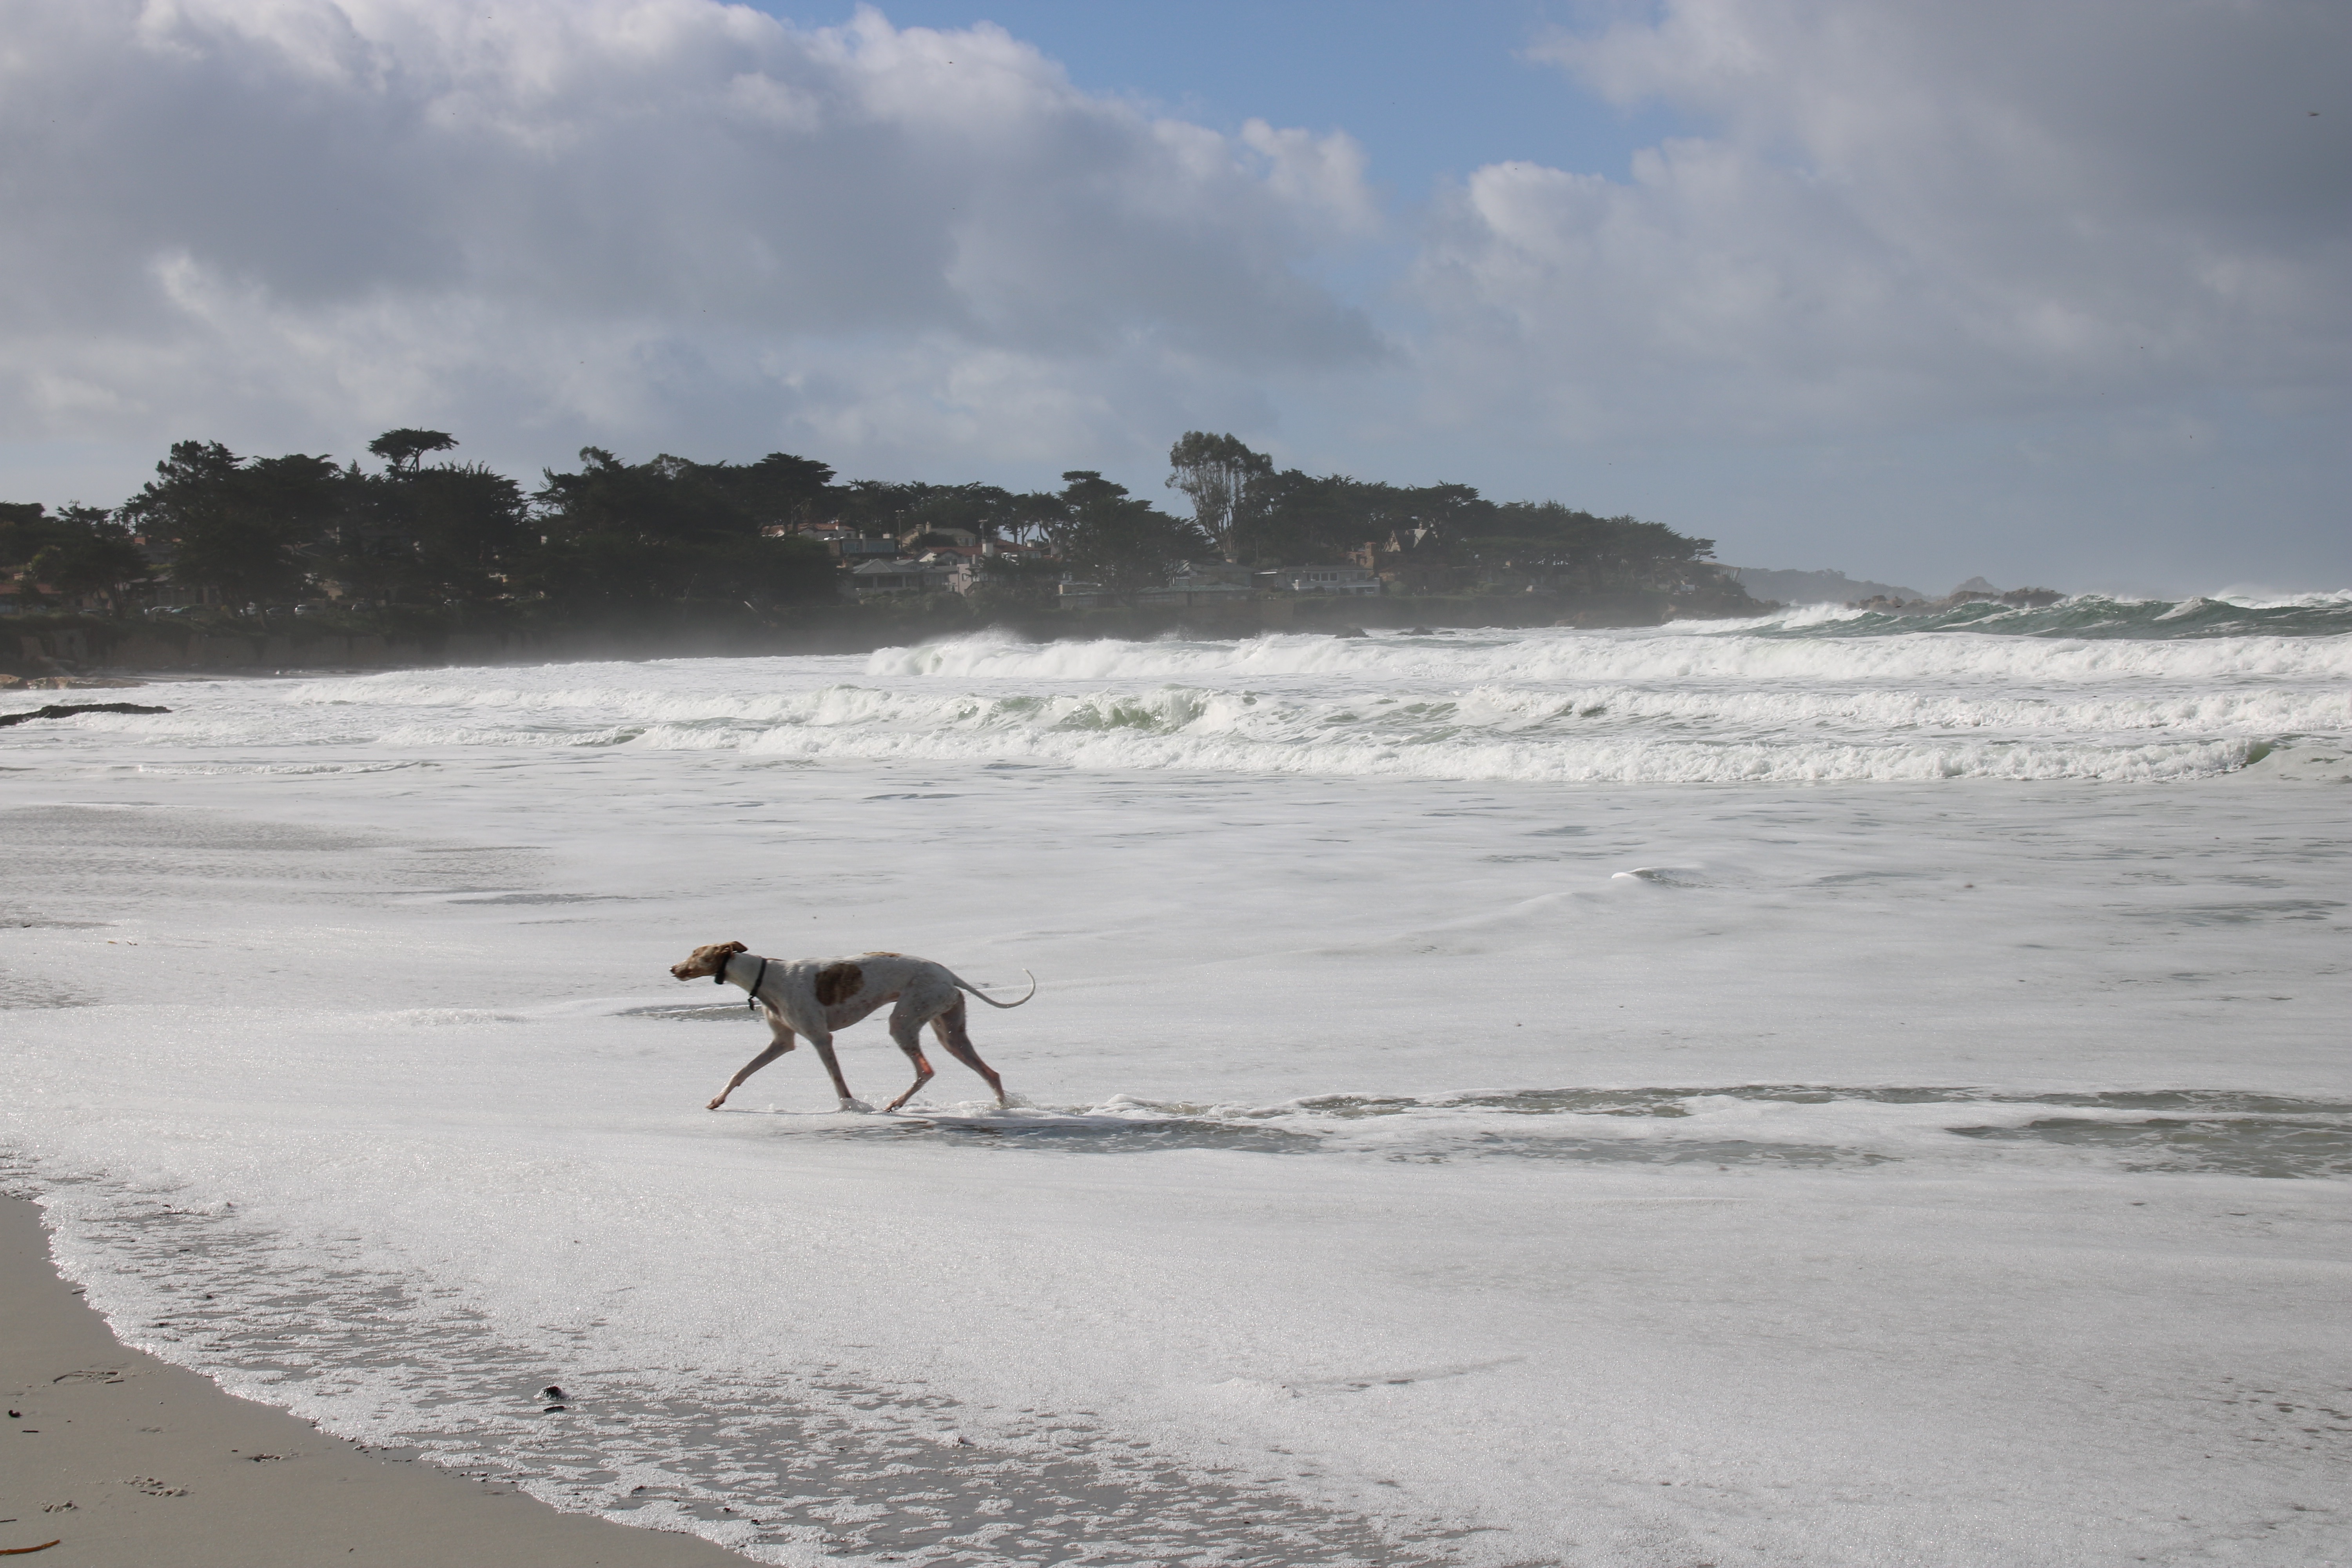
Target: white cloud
293, 221
1904, 211
1915, 271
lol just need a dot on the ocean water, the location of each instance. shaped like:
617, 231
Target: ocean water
1828, 1089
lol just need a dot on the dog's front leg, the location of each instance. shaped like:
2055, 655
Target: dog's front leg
783, 1043
824, 1044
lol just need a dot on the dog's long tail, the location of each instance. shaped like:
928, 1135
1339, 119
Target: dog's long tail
967, 985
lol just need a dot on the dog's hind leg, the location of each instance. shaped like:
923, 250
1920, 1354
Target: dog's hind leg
949, 1027
783, 1043
907, 1028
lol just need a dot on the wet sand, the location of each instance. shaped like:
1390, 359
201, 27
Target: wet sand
126, 1462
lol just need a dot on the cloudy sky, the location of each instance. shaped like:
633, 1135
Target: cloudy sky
2052, 290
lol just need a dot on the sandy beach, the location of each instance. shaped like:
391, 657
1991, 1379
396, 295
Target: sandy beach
126, 1462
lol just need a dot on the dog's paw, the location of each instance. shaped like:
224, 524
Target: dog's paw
716, 1103
857, 1105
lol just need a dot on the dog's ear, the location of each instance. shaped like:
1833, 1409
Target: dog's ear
732, 947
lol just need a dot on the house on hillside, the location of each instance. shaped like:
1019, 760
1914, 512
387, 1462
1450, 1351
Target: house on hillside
1203, 584
930, 537
1411, 560
845, 544
901, 576
1351, 579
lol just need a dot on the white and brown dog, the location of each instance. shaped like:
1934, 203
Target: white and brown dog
815, 996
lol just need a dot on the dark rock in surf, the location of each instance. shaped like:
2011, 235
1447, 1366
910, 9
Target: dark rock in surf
68, 709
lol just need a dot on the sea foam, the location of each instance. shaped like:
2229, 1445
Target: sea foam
1808, 695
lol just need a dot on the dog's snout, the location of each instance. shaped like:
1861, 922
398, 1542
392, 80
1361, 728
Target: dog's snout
705, 961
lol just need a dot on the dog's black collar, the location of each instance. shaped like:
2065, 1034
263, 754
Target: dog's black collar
720, 978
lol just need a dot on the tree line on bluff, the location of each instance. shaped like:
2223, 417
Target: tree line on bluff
612, 538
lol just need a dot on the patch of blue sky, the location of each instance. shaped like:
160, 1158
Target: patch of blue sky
1431, 91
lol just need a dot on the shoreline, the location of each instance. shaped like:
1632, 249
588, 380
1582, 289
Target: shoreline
124, 1461
71, 642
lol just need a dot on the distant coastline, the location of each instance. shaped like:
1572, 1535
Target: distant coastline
1822, 587
45, 649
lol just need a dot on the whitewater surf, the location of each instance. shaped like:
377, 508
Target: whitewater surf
1833, 1088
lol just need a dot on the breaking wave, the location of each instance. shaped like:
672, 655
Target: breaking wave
1757, 651
1586, 734
2088, 689
2097, 615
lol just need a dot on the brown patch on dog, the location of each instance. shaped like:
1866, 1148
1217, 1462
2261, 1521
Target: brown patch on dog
878, 952
837, 983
